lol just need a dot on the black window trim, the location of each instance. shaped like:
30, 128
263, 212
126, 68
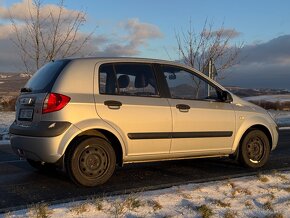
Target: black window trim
159, 95
189, 71
162, 84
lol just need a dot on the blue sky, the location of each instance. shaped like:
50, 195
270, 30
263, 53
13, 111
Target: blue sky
258, 22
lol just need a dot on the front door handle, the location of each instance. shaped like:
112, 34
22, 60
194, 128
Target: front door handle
113, 104
183, 107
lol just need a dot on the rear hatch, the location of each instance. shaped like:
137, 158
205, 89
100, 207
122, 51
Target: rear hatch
32, 96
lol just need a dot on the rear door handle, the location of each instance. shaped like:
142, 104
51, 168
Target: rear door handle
113, 104
183, 107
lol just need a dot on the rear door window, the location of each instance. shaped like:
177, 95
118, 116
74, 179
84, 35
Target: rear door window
128, 79
43, 80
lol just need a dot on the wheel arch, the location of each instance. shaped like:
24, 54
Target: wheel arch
101, 133
261, 127
264, 129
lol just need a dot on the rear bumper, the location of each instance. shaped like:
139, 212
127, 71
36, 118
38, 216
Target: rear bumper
42, 129
36, 148
45, 149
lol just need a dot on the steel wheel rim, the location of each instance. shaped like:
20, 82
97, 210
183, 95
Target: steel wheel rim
255, 149
94, 162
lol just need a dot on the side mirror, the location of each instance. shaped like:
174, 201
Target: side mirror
227, 97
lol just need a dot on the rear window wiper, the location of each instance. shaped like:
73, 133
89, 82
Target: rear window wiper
25, 89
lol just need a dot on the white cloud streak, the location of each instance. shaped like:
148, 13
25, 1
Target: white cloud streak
223, 33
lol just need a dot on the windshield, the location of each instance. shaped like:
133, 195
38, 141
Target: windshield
45, 77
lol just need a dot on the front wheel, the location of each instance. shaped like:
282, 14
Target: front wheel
254, 149
91, 162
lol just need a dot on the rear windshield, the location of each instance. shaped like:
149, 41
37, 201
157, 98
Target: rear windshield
44, 78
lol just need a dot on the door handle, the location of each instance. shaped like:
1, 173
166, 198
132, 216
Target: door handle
183, 107
113, 104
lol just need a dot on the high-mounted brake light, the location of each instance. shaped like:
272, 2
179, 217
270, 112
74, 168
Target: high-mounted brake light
54, 102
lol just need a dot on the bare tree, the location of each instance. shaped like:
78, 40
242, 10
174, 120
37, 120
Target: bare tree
197, 49
47, 33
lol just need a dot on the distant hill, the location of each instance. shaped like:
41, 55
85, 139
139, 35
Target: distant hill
247, 92
10, 85
13, 82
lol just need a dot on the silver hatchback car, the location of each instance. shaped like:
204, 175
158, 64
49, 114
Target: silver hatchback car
89, 114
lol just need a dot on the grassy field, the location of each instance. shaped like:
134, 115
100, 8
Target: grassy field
263, 195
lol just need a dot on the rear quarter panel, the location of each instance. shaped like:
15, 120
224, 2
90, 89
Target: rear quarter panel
77, 82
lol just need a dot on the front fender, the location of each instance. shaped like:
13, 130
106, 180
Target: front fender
254, 120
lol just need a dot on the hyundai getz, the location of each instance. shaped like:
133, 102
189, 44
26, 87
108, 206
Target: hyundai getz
87, 115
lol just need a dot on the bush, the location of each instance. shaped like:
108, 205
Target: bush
8, 103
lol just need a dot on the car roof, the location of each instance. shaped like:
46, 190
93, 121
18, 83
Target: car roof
134, 59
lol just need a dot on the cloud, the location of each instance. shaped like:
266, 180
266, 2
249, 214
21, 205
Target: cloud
132, 34
263, 65
138, 34
115, 49
5, 31
232, 33
223, 33
26, 8
25, 15
9, 59
275, 50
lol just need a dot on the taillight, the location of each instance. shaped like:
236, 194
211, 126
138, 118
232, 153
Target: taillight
54, 102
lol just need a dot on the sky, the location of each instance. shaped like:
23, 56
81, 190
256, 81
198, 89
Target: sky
147, 29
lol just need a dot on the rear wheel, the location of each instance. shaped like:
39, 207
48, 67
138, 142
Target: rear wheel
91, 162
254, 149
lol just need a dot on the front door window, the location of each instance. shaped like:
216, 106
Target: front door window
185, 85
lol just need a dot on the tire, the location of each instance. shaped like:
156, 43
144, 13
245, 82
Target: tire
91, 162
46, 167
254, 149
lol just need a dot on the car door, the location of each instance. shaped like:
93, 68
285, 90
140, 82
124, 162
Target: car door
203, 123
129, 100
